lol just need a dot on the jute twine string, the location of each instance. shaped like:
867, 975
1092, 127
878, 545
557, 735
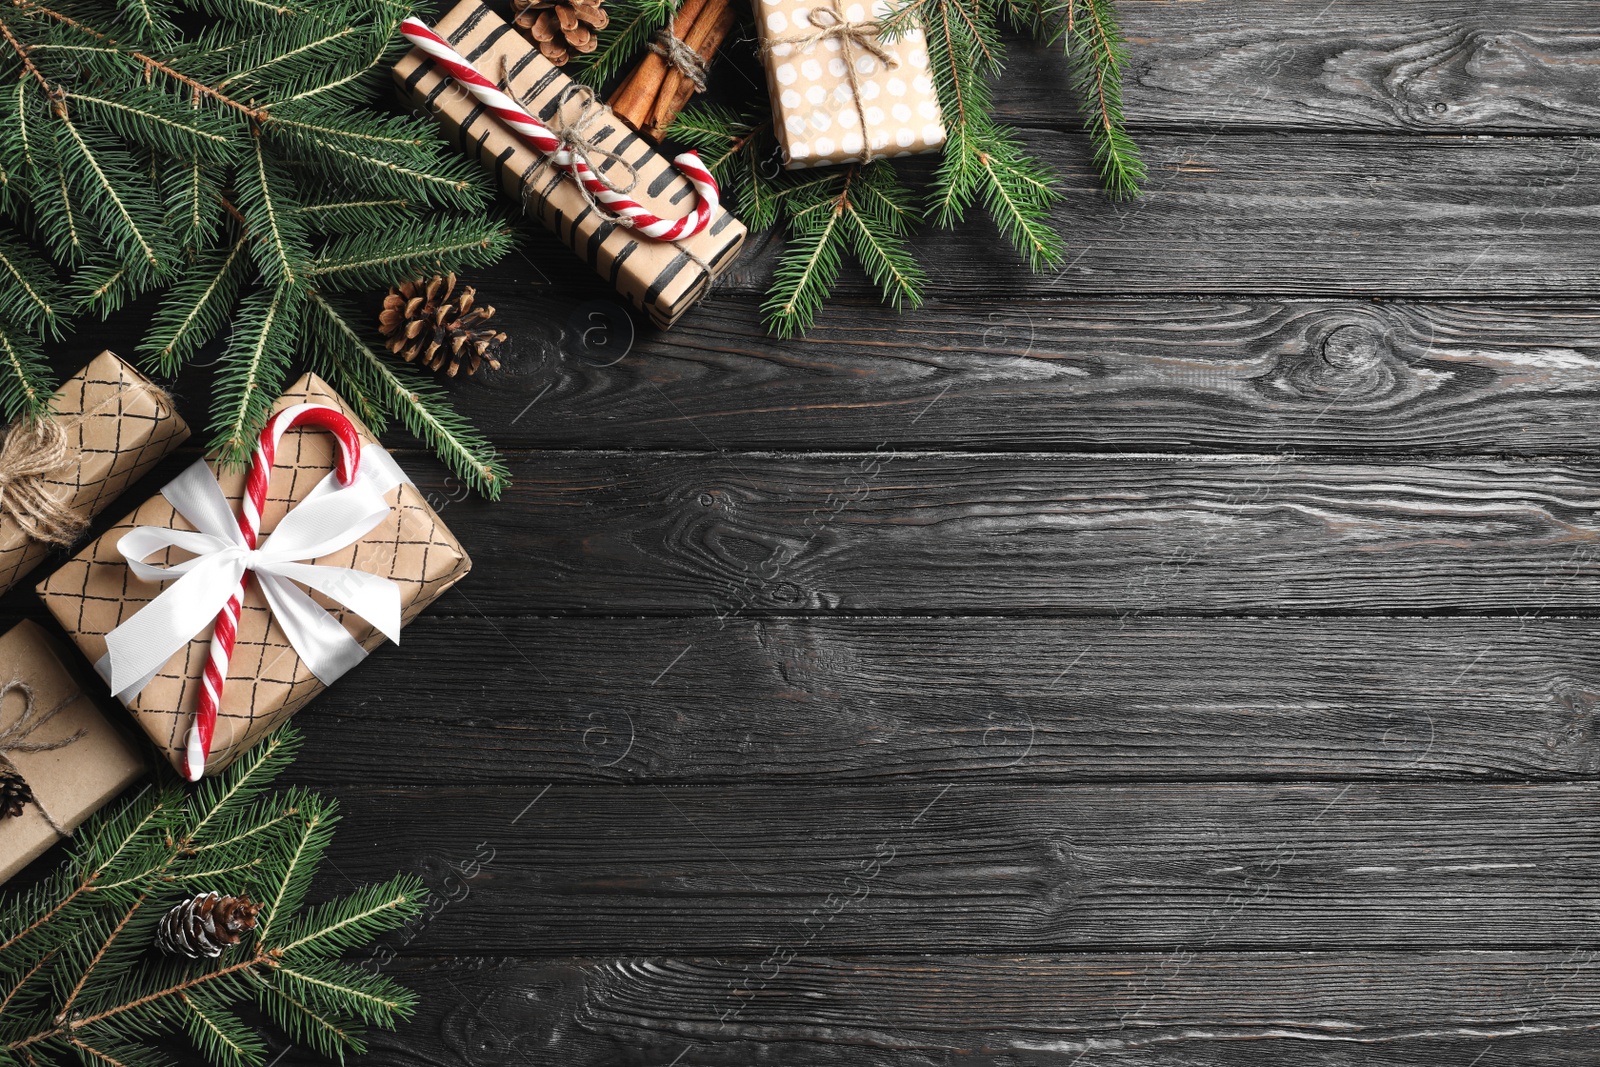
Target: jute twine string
685, 60
577, 138
15, 738
831, 24
35, 450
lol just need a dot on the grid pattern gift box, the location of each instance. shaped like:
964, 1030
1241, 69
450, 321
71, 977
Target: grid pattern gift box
661, 278
116, 425
266, 680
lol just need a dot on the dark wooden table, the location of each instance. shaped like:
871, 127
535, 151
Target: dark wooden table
1187, 657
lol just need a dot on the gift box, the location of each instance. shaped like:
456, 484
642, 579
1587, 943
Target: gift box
840, 92
53, 735
117, 425
266, 681
662, 279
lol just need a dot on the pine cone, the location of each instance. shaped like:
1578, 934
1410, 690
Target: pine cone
561, 27
202, 927
15, 794
421, 322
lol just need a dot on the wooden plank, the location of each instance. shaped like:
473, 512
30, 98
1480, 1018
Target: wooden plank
958, 700
890, 532
1289, 214
989, 867
1071, 373
1411, 65
1183, 1007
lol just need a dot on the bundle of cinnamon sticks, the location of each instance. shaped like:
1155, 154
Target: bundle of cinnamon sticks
650, 98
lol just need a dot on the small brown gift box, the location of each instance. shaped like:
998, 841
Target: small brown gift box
71, 782
267, 682
663, 279
820, 118
118, 426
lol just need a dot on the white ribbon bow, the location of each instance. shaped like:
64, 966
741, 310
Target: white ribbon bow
326, 520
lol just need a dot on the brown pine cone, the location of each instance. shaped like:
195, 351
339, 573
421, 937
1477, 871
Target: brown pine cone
200, 928
422, 322
561, 27
15, 794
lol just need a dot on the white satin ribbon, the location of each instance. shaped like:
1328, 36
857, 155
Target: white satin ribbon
329, 518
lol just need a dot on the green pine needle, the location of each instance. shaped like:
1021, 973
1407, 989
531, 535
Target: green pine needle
370, 261
1099, 55
202, 302
77, 946
381, 386
27, 383
233, 154
631, 26
254, 367
811, 259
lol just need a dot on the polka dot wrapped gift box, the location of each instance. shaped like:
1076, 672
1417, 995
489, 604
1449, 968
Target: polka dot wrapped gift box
840, 92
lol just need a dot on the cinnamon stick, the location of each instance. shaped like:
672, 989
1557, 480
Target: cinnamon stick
704, 37
650, 98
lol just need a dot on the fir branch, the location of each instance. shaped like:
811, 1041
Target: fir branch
305, 853
25, 380
198, 309
220, 1036
30, 296
374, 998
149, 63
419, 402
879, 222
374, 261
133, 231
1018, 193
348, 922
1099, 54
253, 369
110, 1003
266, 825
810, 263
149, 118
323, 1031
267, 199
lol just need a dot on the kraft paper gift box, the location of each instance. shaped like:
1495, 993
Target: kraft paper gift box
819, 116
69, 782
118, 425
267, 682
662, 279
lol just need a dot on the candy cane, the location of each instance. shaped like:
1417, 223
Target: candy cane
198, 743
540, 137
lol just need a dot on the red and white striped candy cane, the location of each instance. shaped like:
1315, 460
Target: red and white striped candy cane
198, 744
542, 138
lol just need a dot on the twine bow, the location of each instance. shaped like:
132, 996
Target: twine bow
576, 138
831, 25
35, 451
14, 738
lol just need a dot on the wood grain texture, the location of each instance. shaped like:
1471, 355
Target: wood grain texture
1335, 376
960, 700
1292, 214
1411, 66
989, 867
1185, 658
1263, 214
1182, 1008
890, 532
